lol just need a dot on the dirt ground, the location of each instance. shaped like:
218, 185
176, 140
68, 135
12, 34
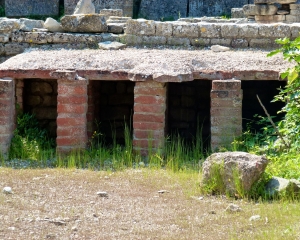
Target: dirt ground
140, 204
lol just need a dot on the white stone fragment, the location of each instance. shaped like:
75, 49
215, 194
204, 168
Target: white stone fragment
7, 190
102, 194
108, 45
85, 7
52, 25
254, 218
219, 48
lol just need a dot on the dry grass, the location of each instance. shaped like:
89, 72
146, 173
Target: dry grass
63, 204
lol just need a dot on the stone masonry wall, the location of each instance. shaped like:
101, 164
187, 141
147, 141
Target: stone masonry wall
253, 35
197, 33
174, 9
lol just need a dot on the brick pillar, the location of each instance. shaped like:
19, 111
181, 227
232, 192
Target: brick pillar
19, 95
72, 105
226, 112
91, 110
7, 113
149, 118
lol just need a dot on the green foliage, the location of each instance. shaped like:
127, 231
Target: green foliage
289, 127
30, 141
2, 11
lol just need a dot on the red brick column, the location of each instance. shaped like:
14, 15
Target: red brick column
19, 95
226, 112
149, 119
7, 113
72, 105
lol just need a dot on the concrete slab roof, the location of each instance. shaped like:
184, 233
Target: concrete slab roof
163, 65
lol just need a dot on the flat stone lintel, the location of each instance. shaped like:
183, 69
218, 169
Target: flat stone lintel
123, 75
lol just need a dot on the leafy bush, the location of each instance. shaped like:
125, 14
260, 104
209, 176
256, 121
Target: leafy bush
29, 139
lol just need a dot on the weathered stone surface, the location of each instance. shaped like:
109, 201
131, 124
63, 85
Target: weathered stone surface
213, 8
265, 9
200, 42
274, 30
239, 43
85, 7
295, 12
261, 43
24, 8
130, 39
111, 45
292, 19
218, 48
4, 38
116, 28
185, 30
237, 13
221, 41
282, 12
163, 9
84, 23
112, 12
154, 40
28, 25
294, 6
125, 5
249, 9
295, 30
140, 27
209, 30
229, 30
284, 186
115, 19
248, 30
52, 25
232, 167
15, 48
164, 29
178, 41
9, 25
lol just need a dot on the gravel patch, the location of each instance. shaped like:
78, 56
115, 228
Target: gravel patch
147, 61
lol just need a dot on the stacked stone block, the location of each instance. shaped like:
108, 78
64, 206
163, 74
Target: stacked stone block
226, 112
149, 119
267, 11
7, 113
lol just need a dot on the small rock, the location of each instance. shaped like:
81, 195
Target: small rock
12, 228
74, 228
162, 191
102, 194
233, 208
212, 212
219, 48
52, 25
108, 45
7, 190
141, 164
84, 7
254, 218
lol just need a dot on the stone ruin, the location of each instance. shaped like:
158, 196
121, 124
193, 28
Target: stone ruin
268, 11
164, 81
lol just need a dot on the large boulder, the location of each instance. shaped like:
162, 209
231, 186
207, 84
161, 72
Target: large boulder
94, 23
235, 171
85, 7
